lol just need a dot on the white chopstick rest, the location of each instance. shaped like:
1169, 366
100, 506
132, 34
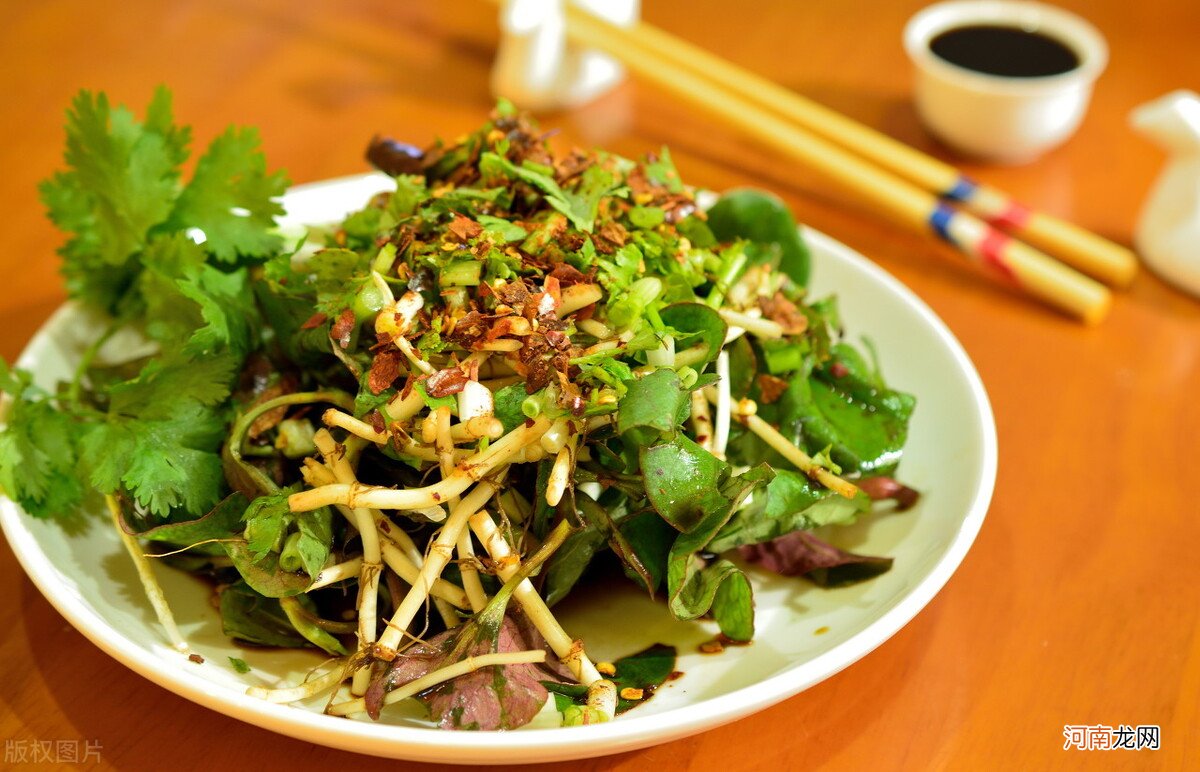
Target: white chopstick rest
535, 66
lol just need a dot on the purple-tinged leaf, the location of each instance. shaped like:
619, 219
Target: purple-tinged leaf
881, 488
802, 554
497, 697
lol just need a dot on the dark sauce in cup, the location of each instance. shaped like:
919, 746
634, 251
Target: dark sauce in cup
1011, 52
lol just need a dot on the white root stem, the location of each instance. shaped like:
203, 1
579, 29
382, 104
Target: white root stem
444, 603
602, 696
557, 435
439, 555
759, 327
150, 585
560, 476
372, 560
804, 462
724, 406
305, 690
466, 472
441, 675
702, 425
400, 554
339, 572
466, 554
402, 407
336, 418
745, 411
477, 428
414, 356
567, 649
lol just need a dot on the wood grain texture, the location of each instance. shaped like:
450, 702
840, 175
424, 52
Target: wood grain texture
1078, 604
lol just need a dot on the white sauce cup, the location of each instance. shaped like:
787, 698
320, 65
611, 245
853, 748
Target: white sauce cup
996, 117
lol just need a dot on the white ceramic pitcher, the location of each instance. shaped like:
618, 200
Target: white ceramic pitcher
1168, 232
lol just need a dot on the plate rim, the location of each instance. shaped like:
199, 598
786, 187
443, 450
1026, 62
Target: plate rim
548, 744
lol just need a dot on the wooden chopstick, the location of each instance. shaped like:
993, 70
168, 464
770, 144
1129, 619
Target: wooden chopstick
907, 204
1086, 251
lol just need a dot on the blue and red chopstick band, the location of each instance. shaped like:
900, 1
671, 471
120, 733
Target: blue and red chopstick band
1012, 218
990, 248
939, 220
962, 189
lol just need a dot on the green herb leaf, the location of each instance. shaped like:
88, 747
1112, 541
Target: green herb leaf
231, 198
762, 218
248, 616
653, 406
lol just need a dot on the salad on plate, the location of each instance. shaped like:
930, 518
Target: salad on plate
402, 438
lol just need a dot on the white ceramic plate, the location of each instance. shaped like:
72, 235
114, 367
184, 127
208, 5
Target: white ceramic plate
951, 458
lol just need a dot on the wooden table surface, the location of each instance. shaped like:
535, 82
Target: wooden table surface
1079, 603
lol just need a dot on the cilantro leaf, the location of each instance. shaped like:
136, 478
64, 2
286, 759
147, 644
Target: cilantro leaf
579, 206
169, 384
37, 453
231, 198
122, 181
165, 463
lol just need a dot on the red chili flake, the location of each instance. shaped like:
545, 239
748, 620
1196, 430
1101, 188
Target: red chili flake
469, 329
611, 236
558, 340
343, 328
286, 384
464, 228
572, 166
408, 386
385, 369
785, 312
314, 321
375, 418
568, 274
443, 383
839, 370
513, 293
196, 658
772, 388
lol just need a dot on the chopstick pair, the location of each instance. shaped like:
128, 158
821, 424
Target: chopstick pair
894, 177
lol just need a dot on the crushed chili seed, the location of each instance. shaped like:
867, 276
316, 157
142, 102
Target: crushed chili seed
771, 388
784, 312
314, 321
464, 228
385, 369
443, 383
343, 329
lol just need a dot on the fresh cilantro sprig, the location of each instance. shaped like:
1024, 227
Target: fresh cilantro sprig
170, 259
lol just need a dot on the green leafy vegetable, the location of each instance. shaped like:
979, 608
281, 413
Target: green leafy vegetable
762, 218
